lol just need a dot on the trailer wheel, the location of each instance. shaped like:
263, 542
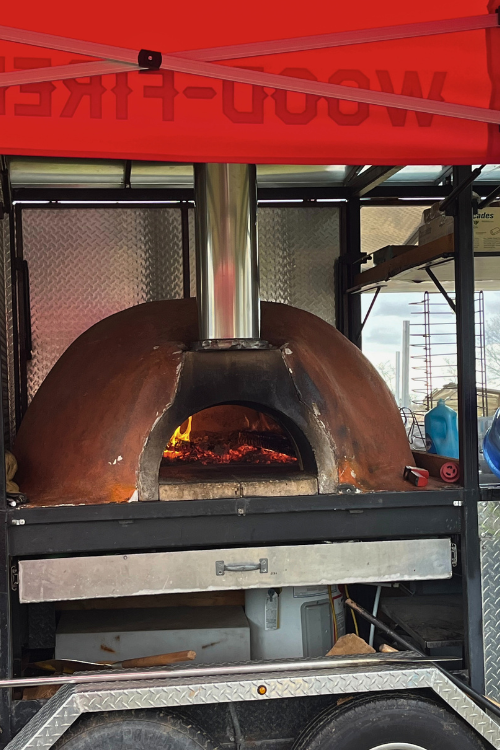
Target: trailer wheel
140, 730
384, 722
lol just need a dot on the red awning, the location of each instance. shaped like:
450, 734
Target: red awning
376, 83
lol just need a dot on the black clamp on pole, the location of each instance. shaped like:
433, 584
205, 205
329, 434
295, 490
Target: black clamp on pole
149, 60
447, 206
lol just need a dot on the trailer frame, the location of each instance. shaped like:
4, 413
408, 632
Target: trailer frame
28, 532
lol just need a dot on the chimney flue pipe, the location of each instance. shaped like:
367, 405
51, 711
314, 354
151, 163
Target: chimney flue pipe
227, 271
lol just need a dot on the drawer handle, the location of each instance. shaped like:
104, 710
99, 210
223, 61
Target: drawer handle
221, 567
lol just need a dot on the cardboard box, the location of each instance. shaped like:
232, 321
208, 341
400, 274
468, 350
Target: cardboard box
437, 227
486, 228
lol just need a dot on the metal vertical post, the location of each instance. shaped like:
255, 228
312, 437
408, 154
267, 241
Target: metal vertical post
5, 617
398, 379
348, 305
5, 612
186, 270
467, 424
405, 369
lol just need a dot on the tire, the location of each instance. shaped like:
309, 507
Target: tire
389, 722
134, 730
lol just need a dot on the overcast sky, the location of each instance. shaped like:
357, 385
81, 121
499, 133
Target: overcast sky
383, 330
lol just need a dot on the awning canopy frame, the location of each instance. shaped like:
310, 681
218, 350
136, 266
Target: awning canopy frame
200, 62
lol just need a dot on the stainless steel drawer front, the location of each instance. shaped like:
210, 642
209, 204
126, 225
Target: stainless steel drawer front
177, 572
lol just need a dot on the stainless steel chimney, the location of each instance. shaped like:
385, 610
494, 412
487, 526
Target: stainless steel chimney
227, 268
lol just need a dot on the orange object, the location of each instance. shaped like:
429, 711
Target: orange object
450, 472
415, 475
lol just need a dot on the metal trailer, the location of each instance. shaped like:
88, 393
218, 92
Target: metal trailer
420, 525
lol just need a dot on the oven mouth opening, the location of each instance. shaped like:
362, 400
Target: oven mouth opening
231, 435
236, 448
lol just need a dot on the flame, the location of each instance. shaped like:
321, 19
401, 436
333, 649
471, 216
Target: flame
236, 447
181, 437
174, 449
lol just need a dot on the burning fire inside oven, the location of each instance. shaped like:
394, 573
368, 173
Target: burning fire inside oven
230, 435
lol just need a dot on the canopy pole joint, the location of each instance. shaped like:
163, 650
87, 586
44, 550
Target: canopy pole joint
149, 60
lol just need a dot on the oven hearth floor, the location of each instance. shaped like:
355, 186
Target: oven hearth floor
194, 482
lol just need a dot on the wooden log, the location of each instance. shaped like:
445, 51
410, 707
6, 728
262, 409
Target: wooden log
161, 660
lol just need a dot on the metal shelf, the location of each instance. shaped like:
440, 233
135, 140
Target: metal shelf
215, 523
413, 257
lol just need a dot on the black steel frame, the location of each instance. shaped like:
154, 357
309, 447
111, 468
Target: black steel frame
28, 532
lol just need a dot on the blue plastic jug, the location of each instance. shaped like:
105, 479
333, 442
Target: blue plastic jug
491, 445
441, 430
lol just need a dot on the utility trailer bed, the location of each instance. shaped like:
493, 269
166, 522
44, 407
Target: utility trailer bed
337, 676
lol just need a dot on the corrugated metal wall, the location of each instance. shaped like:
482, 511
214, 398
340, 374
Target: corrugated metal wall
86, 264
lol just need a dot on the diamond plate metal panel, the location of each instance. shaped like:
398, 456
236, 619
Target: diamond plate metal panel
50, 722
65, 707
9, 331
489, 519
297, 250
478, 719
88, 264
224, 690
6, 339
489, 532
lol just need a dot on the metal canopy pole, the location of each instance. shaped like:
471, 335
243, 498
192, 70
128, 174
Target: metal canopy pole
5, 610
348, 305
467, 422
6, 671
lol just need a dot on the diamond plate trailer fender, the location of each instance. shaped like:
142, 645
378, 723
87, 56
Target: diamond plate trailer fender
61, 711
489, 533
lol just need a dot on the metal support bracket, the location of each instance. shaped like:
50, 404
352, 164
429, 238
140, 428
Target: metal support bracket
14, 577
441, 288
448, 206
493, 196
377, 292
